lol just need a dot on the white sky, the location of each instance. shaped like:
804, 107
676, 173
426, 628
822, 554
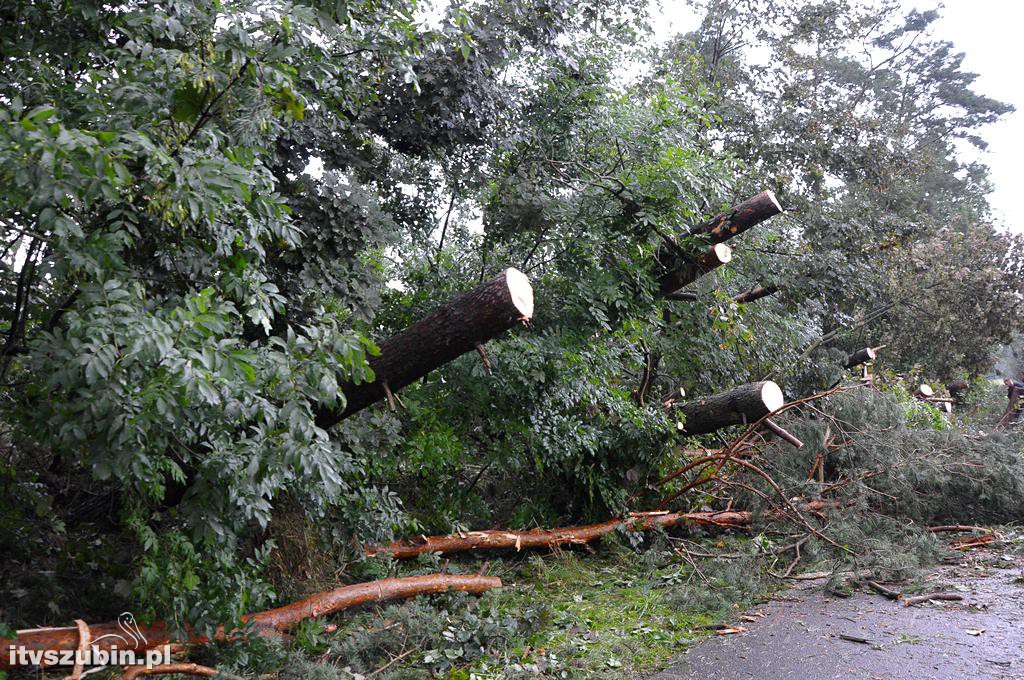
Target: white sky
988, 32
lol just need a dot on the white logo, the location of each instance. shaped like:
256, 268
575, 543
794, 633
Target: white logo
121, 650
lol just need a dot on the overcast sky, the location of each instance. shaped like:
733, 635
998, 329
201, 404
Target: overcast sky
988, 32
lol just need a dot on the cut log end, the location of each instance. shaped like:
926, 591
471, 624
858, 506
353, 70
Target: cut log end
771, 395
720, 254
925, 390
521, 291
770, 195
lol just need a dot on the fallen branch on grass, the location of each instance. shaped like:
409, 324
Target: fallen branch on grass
550, 538
155, 635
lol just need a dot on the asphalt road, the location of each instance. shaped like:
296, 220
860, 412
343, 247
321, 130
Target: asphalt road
798, 635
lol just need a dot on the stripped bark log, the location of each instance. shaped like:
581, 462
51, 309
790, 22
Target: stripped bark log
107, 636
677, 270
745, 404
459, 326
132, 672
550, 538
919, 599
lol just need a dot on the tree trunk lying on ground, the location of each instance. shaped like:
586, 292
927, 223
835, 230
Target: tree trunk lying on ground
676, 269
861, 356
157, 634
745, 404
549, 538
459, 326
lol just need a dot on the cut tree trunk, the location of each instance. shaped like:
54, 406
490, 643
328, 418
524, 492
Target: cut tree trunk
462, 325
755, 293
676, 269
861, 356
747, 214
679, 271
109, 635
745, 404
550, 538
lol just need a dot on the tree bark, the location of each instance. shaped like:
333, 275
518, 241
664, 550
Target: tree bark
677, 270
747, 214
783, 433
549, 538
158, 634
861, 356
755, 293
745, 404
459, 326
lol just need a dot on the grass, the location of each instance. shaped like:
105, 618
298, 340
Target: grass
614, 614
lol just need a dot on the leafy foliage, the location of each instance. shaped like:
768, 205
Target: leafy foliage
215, 210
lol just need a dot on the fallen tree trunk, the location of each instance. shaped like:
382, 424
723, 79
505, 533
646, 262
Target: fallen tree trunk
861, 356
459, 326
676, 269
745, 404
755, 293
106, 637
550, 538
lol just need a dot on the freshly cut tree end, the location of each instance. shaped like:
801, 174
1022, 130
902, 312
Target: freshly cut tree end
720, 254
862, 356
771, 395
925, 390
770, 195
742, 405
520, 290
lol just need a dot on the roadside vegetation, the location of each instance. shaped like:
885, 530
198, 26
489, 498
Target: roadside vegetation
217, 212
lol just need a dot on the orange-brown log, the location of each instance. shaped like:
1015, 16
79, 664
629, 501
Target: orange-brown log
132, 672
550, 538
158, 634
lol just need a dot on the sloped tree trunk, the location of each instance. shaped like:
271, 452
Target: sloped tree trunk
754, 294
747, 214
459, 326
676, 270
745, 404
152, 636
549, 538
679, 271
